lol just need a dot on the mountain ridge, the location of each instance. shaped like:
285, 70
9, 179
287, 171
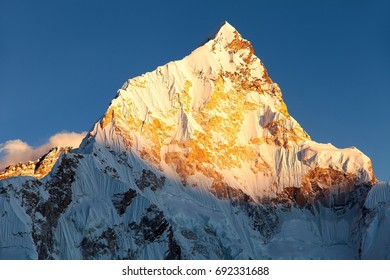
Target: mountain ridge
38, 168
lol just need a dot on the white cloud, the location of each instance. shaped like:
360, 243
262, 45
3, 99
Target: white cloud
14, 151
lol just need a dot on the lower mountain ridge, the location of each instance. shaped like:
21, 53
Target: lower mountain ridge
88, 209
198, 159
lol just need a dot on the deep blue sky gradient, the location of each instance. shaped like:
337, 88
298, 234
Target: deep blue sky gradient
62, 61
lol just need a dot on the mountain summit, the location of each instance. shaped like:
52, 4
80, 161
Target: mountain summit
216, 117
199, 159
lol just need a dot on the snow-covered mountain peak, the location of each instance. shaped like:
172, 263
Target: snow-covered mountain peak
226, 45
216, 117
225, 32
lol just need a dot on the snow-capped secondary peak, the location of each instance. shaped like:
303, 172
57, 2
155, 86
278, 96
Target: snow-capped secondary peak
38, 168
217, 117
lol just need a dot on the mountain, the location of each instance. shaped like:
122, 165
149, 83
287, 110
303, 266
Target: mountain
199, 159
38, 168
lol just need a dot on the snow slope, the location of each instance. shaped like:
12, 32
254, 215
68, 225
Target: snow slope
199, 159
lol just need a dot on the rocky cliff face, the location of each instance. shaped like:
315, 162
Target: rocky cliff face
198, 159
38, 168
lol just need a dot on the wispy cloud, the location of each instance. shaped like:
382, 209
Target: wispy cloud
14, 151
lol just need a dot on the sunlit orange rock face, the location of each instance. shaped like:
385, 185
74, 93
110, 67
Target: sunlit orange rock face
38, 168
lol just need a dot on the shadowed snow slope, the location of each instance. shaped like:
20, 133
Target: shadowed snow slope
199, 159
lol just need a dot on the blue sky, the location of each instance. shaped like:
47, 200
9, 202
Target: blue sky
61, 62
